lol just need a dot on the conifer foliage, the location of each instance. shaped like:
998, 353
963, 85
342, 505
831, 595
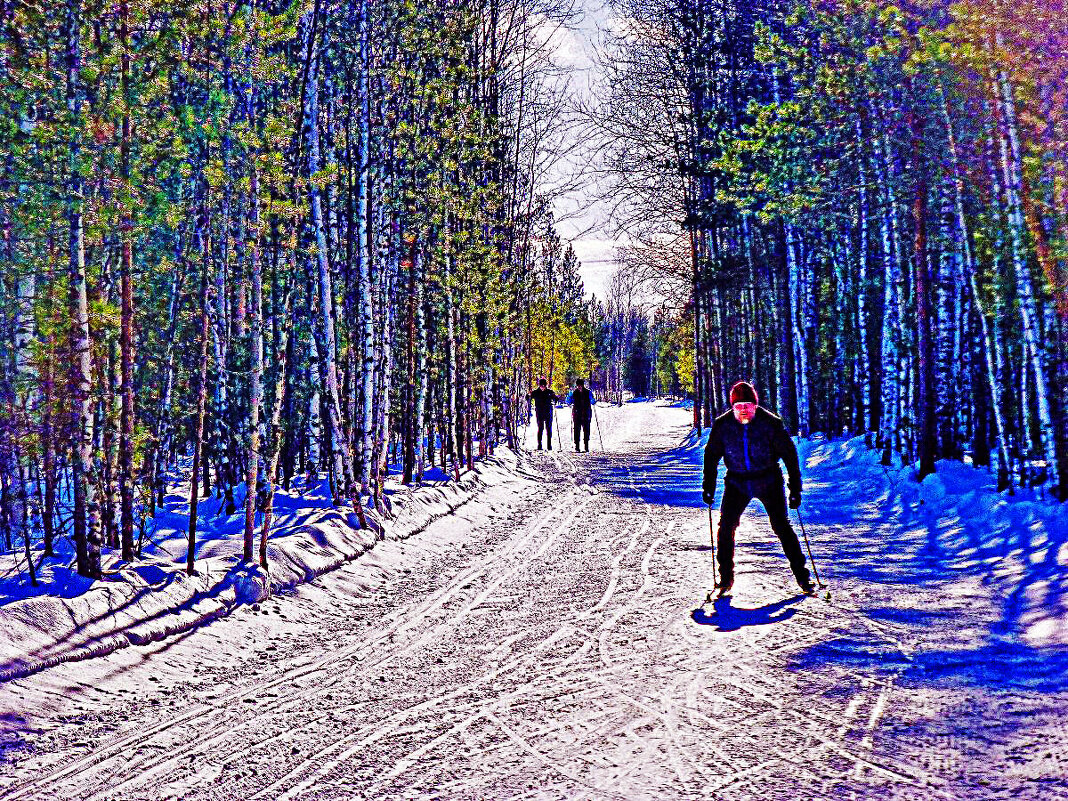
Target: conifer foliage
873, 197
250, 241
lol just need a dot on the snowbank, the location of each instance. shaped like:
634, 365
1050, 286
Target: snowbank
954, 522
67, 618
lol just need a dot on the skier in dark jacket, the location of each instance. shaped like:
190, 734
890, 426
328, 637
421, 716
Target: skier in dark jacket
582, 401
544, 398
751, 441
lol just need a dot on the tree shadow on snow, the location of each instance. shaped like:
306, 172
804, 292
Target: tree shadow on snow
727, 617
669, 478
991, 665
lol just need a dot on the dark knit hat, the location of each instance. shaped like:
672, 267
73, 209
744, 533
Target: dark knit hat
743, 392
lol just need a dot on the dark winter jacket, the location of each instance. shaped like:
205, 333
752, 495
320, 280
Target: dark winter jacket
582, 401
543, 402
750, 451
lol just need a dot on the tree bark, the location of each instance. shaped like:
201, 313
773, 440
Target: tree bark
126, 342
86, 507
204, 236
254, 460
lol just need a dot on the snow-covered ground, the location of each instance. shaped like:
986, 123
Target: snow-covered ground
64, 617
548, 641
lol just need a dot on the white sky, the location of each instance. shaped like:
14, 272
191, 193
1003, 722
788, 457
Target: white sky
580, 216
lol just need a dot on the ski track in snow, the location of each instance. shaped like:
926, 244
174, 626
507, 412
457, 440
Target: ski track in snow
548, 641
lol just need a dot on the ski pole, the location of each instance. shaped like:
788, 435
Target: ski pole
556, 425
809, 548
712, 544
598, 422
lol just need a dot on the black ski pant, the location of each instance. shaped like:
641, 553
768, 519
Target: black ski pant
770, 491
545, 423
582, 427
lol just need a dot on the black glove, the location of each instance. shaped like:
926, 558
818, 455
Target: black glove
708, 496
795, 500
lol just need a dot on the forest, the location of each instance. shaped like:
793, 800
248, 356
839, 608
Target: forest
861, 206
245, 242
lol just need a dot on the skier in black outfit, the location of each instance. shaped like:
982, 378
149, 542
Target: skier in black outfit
582, 401
544, 398
751, 441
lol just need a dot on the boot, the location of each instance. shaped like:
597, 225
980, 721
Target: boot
806, 585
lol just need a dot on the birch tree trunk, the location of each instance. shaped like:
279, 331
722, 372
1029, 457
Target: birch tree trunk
165, 426
798, 308
345, 486
126, 434
1012, 171
421, 367
365, 249
314, 430
86, 507
866, 415
276, 429
924, 360
253, 466
204, 237
890, 385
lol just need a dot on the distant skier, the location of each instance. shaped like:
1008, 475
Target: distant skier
544, 398
751, 441
582, 401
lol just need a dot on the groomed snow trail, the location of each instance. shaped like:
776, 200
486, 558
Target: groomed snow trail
547, 642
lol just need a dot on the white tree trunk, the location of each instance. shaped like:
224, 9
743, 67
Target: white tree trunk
325, 337
866, 416
799, 323
889, 360
254, 462
365, 248
1012, 171
86, 507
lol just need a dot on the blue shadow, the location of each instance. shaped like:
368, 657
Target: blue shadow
726, 617
992, 665
669, 478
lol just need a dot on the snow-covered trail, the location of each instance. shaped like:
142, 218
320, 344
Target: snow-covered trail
547, 642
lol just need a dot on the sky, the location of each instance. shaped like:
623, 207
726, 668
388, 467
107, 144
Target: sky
581, 216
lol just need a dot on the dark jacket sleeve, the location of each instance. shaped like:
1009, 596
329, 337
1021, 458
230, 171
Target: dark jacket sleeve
713, 454
787, 451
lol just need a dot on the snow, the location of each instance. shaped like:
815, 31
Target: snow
548, 640
953, 523
68, 618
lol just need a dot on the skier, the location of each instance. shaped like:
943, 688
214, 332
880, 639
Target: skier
751, 441
582, 401
544, 398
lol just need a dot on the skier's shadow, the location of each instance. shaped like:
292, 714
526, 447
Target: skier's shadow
726, 617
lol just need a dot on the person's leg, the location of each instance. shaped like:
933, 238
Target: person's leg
730, 512
541, 426
577, 425
586, 434
549, 430
773, 496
